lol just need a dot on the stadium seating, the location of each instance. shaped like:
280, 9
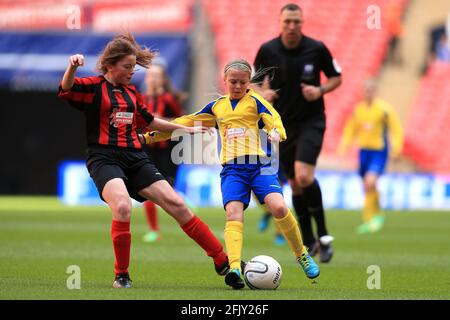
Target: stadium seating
427, 125
37, 37
240, 27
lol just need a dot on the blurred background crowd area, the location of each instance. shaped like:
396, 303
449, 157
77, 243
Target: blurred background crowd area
408, 50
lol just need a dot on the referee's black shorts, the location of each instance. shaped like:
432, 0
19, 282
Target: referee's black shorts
133, 166
304, 144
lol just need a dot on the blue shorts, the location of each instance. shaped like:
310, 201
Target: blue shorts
238, 180
373, 161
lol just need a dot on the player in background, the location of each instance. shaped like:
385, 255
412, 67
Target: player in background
378, 132
239, 116
294, 88
165, 103
115, 160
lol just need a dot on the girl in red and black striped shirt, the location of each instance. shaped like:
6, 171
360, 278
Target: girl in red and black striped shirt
115, 158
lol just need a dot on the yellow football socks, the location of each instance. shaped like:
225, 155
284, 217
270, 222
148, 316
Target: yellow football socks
377, 202
289, 227
277, 229
370, 205
233, 242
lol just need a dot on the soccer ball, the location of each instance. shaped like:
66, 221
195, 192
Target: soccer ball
263, 272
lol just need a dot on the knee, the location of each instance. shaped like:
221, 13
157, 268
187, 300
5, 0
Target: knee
296, 189
279, 210
234, 213
304, 180
369, 184
122, 208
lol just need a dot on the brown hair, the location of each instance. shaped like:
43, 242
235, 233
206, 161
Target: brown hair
291, 7
121, 46
179, 95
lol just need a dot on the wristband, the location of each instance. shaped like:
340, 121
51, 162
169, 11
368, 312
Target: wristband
322, 90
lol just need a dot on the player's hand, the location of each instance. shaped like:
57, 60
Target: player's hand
274, 136
198, 129
77, 60
270, 95
311, 93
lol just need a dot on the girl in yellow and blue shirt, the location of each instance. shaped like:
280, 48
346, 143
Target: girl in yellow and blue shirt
375, 126
239, 116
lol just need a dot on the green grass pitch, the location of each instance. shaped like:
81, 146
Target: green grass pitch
40, 238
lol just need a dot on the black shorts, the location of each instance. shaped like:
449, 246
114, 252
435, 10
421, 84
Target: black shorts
133, 166
303, 144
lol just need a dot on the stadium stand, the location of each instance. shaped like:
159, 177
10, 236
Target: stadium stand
428, 120
38, 37
36, 40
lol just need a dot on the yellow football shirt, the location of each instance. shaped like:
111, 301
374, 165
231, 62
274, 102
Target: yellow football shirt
370, 125
239, 122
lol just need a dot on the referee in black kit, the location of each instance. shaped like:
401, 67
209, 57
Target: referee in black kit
289, 69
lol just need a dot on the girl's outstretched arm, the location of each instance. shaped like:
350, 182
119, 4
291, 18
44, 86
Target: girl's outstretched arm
68, 80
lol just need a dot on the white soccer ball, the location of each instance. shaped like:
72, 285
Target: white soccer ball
263, 272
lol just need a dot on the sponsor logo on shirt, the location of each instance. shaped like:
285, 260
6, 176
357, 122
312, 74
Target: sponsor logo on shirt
234, 133
121, 118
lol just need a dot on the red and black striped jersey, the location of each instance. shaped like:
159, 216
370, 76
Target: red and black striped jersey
164, 106
111, 112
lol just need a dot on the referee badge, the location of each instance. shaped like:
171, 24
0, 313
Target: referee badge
308, 69
308, 74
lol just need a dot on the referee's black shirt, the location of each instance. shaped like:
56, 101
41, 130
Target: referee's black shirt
291, 67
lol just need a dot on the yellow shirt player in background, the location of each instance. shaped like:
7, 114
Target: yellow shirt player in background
375, 126
246, 167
